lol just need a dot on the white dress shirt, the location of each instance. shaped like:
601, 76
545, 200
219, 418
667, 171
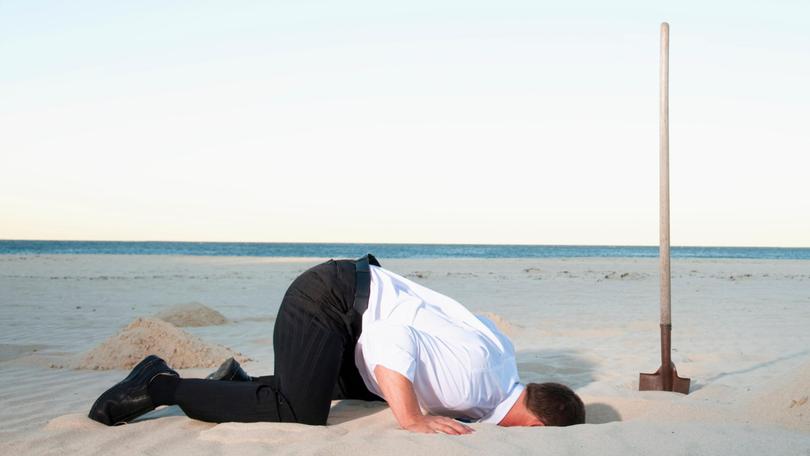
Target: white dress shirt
460, 365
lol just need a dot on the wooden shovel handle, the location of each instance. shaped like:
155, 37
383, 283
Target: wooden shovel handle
666, 289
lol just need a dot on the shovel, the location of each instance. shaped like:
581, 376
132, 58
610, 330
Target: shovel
666, 377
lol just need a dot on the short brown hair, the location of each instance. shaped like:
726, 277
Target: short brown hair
554, 404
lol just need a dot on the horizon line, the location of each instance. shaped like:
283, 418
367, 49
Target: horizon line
407, 243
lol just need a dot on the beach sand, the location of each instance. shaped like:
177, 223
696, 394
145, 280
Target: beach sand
741, 332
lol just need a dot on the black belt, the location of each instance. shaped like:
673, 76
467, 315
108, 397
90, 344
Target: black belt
362, 289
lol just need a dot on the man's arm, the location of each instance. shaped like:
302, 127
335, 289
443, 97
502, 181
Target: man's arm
398, 392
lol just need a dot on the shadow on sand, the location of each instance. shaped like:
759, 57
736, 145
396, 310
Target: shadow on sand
599, 413
570, 368
350, 409
697, 385
171, 410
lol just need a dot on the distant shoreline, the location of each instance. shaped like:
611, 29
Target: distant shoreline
403, 251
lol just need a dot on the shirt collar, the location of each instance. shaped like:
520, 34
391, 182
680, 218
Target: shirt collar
503, 408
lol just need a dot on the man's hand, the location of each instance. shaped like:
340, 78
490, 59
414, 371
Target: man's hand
398, 392
433, 424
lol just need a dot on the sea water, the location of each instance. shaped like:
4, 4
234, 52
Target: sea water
326, 250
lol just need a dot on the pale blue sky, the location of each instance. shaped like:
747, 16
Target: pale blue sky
419, 121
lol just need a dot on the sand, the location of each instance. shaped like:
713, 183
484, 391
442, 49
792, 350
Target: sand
740, 332
788, 402
192, 314
504, 325
145, 336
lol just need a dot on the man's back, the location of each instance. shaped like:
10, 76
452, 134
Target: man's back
459, 365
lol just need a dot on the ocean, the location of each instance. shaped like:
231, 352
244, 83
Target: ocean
326, 250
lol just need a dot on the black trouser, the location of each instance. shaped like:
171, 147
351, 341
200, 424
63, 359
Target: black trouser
313, 342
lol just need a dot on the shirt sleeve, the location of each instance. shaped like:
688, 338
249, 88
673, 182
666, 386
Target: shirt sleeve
391, 346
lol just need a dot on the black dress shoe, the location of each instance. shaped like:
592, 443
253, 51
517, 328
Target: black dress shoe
230, 370
129, 398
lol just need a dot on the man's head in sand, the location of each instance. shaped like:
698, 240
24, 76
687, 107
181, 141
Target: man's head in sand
554, 404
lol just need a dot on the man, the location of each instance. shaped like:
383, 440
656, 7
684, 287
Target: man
353, 330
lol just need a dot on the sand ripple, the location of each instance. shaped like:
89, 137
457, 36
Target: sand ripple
269, 433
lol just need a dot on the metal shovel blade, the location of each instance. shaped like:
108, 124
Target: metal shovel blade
666, 377
664, 380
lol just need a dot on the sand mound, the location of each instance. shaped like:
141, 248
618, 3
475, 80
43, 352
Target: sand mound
192, 314
788, 404
145, 336
502, 324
